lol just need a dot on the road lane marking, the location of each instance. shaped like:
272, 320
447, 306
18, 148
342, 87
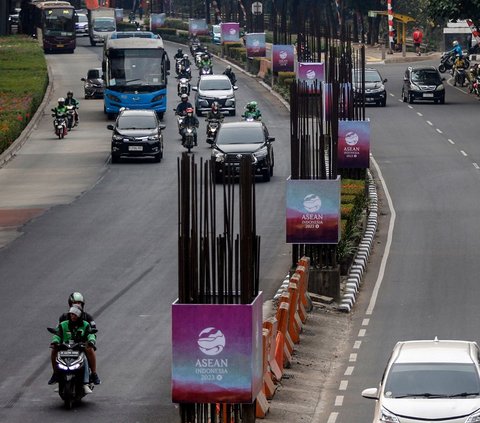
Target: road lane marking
353, 357
439, 131
430, 123
419, 114
349, 371
365, 322
463, 152
451, 141
332, 418
339, 401
476, 166
343, 385
361, 333
357, 344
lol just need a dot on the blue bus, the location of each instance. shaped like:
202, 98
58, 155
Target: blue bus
135, 72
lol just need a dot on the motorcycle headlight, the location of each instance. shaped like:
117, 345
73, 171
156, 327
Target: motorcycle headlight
75, 366
440, 88
62, 366
387, 417
262, 153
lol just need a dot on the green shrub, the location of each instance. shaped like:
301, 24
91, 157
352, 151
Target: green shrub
23, 82
283, 76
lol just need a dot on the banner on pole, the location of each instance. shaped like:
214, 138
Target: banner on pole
255, 44
283, 58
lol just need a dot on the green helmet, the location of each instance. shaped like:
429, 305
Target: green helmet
252, 106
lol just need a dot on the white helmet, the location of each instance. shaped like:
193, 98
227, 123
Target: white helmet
455, 43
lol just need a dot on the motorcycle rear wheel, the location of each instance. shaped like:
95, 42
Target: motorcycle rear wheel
442, 68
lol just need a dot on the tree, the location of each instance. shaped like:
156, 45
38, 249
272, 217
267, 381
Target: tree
454, 10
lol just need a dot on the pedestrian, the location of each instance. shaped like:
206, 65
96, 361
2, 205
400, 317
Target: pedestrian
417, 39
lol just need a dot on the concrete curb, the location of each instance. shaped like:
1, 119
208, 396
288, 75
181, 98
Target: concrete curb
360, 260
10, 152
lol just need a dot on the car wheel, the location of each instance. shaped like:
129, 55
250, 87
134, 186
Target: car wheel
157, 158
232, 113
218, 177
442, 100
198, 112
266, 175
404, 97
160, 115
115, 158
410, 98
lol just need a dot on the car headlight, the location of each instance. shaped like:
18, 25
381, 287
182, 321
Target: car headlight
158, 97
261, 154
416, 87
218, 155
387, 417
153, 138
378, 89
230, 102
117, 137
474, 418
440, 88
113, 98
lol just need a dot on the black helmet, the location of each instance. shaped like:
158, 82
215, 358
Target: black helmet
179, 51
70, 94
76, 297
184, 97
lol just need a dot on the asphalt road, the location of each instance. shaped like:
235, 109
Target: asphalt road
428, 155
109, 231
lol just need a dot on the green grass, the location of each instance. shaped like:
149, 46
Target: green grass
23, 82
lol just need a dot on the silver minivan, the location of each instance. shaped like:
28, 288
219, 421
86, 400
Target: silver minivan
217, 88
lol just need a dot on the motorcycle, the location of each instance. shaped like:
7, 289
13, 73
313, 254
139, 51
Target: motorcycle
447, 61
475, 89
70, 369
180, 119
206, 70
71, 117
183, 86
213, 125
251, 117
189, 138
60, 125
459, 77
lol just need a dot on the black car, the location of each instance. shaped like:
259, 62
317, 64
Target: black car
137, 133
237, 139
423, 83
93, 84
375, 92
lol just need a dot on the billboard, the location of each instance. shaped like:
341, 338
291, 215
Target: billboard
217, 352
283, 58
353, 147
256, 45
313, 211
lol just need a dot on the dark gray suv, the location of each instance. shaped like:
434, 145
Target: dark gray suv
423, 83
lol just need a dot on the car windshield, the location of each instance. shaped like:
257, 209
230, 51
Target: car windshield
215, 84
82, 18
136, 122
432, 380
240, 135
429, 77
370, 76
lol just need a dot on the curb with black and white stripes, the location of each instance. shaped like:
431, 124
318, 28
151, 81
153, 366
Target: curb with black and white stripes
359, 265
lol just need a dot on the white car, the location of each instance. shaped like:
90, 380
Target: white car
81, 25
429, 381
215, 88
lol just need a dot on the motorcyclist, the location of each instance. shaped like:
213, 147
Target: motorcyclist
472, 75
71, 101
457, 49
78, 329
215, 113
60, 111
458, 65
77, 299
186, 75
231, 75
179, 54
189, 121
251, 109
185, 61
205, 61
183, 105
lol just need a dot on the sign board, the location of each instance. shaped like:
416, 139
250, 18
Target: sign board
257, 8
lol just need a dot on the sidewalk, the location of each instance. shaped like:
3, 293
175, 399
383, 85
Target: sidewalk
374, 54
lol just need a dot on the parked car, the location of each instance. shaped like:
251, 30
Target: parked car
212, 88
81, 25
237, 139
429, 381
14, 17
93, 84
137, 133
375, 92
423, 83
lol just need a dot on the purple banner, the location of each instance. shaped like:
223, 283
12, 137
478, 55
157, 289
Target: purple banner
157, 20
313, 211
283, 58
353, 149
312, 74
255, 44
230, 31
197, 26
217, 352
118, 15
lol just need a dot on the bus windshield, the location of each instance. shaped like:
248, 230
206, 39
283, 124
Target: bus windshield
136, 69
59, 22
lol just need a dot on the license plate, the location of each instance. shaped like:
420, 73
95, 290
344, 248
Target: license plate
69, 353
135, 148
60, 45
428, 95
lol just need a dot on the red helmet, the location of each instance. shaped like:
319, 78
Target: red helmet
189, 110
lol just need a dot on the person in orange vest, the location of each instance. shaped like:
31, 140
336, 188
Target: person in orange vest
417, 40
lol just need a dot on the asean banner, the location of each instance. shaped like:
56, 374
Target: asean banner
283, 58
313, 211
157, 20
197, 27
353, 148
230, 31
255, 44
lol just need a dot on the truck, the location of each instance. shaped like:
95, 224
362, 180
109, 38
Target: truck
101, 23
